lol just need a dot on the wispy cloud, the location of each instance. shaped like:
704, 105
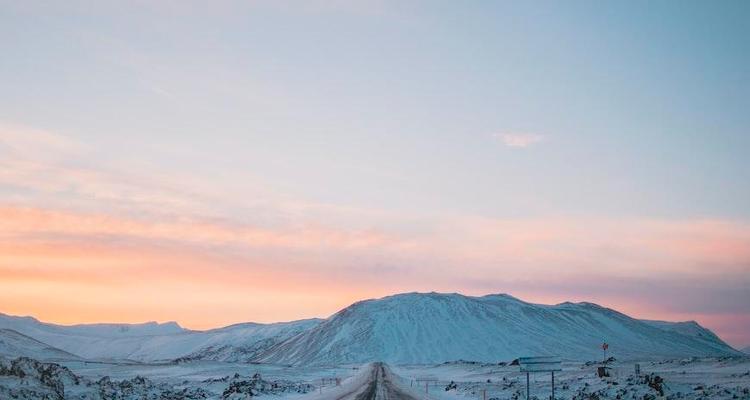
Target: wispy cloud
96, 228
519, 139
21, 142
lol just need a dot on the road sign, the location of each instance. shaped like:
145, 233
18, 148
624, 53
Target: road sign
540, 364
426, 379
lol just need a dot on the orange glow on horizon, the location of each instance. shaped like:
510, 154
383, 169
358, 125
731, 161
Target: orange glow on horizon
70, 267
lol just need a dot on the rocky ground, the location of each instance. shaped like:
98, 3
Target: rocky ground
692, 379
28, 379
706, 378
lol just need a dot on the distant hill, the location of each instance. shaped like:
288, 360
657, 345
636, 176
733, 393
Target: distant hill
14, 344
33, 326
156, 342
688, 328
432, 327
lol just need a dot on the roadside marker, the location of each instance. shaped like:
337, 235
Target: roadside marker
540, 364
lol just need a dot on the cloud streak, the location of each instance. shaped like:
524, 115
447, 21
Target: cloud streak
519, 139
70, 233
545, 260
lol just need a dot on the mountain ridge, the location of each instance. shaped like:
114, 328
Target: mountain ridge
412, 328
15, 344
148, 342
401, 328
104, 329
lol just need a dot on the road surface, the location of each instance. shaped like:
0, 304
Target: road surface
379, 386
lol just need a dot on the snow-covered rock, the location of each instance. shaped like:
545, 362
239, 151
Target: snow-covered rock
28, 379
241, 388
432, 327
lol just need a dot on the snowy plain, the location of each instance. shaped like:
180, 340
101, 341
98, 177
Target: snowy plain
694, 378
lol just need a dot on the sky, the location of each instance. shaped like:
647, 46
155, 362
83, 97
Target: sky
276, 160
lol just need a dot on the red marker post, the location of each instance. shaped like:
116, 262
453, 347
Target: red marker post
605, 346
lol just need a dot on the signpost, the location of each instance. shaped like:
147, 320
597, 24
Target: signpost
540, 364
426, 379
605, 346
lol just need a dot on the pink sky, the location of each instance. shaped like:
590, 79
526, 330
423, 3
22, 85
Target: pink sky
71, 267
272, 160
107, 242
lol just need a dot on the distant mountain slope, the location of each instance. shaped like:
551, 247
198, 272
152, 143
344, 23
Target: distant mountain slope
433, 327
746, 350
14, 344
226, 344
157, 342
688, 328
32, 327
244, 342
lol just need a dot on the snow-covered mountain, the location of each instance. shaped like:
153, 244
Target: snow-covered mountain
39, 330
157, 342
14, 344
689, 328
244, 342
407, 328
429, 328
746, 350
